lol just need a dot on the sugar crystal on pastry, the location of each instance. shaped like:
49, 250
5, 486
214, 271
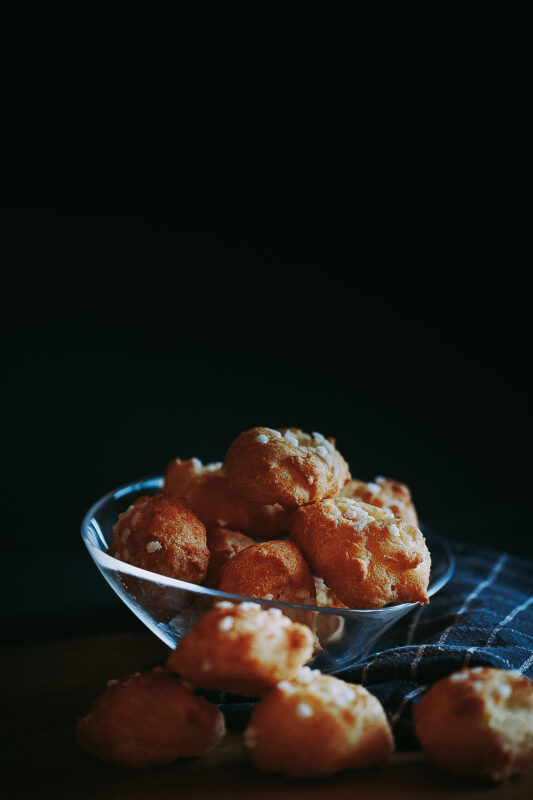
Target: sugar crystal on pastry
291, 438
304, 710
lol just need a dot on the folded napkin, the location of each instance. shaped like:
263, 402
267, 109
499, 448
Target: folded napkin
482, 617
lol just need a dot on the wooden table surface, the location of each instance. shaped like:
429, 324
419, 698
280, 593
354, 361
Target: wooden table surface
47, 685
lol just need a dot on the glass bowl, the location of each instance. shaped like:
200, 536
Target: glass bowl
170, 607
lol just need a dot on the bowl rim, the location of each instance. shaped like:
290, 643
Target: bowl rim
104, 561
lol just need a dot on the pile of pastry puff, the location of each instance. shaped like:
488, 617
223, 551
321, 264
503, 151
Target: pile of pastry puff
226, 526
351, 544
305, 724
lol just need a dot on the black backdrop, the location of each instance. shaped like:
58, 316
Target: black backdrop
216, 221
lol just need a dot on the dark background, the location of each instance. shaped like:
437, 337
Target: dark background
219, 221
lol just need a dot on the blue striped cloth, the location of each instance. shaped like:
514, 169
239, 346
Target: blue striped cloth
482, 617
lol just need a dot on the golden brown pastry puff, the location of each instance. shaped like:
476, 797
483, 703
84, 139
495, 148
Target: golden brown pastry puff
366, 556
160, 534
317, 725
147, 719
271, 570
285, 466
478, 722
206, 491
241, 648
384, 493
223, 544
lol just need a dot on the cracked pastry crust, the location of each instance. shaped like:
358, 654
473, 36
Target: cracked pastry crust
160, 534
285, 466
206, 491
478, 722
223, 544
241, 648
367, 557
149, 719
270, 570
316, 725
385, 493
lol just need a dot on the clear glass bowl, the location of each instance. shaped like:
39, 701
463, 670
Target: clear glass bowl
170, 607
